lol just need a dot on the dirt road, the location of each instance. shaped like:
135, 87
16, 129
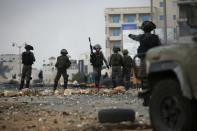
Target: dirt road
69, 113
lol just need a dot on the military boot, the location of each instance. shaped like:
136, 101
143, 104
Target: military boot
21, 85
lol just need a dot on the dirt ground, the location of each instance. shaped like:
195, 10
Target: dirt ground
77, 112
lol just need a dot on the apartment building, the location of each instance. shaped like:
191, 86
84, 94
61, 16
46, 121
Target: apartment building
117, 19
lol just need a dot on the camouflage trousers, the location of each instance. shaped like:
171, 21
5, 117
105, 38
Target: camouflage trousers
61, 72
26, 76
116, 76
97, 75
126, 76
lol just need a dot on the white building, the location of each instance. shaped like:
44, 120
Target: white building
13, 62
117, 19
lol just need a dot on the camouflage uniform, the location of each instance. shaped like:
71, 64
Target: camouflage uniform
62, 64
27, 61
97, 59
116, 62
127, 67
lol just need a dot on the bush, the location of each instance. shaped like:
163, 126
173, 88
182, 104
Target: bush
13, 82
80, 77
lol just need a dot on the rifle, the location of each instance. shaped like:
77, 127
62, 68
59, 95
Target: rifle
91, 48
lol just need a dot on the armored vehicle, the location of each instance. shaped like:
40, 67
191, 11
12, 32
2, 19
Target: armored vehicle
172, 76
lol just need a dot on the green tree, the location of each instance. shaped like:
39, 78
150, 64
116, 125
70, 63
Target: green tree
80, 77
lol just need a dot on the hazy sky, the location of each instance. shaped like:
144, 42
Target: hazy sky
50, 25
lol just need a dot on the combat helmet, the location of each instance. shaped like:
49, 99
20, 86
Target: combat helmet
116, 48
125, 52
148, 26
29, 47
97, 46
64, 52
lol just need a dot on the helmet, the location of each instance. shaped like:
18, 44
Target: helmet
97, 46
29, 47
148, 26
116, 48
125, 52
64, 52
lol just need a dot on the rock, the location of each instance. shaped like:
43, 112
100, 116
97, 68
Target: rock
84, 91
118, 89
44, 128
55, 121
25, 92
10, 93
68, 92
46, 92
56, 93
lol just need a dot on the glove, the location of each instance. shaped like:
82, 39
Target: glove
130, 35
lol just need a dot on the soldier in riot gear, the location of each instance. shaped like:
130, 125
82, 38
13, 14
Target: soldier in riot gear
62, 64
127, 67
96, 59
116, 62
147, 40
27, 61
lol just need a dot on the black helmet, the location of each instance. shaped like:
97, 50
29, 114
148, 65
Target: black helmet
29, 47
97, 46
125, 52
148, 26
116, 48
64, 52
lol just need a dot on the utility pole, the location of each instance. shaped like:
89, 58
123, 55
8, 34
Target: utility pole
19, 53
165, 21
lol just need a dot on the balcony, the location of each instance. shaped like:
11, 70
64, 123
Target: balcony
115, 38
114, 24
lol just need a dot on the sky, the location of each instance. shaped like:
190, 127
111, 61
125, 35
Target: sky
51, 25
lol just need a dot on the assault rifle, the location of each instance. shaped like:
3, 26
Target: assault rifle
91, 48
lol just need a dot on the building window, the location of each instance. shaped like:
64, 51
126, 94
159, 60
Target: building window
174, 17
144, 18
161, 4
161, 17
116, 18
174, 3
116, 32
130, 18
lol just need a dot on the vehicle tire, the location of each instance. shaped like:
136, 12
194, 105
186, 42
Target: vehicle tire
116, 115
169, 110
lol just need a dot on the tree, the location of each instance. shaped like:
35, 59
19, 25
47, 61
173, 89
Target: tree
80, 77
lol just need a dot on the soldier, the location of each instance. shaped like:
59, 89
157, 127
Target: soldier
116, 62
62, 64
147, 40
127, 67
96, 59
27, 61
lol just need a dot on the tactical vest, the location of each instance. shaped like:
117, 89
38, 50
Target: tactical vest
127, 61
116, 60
28, 58
148, 41
97, 59
63, 62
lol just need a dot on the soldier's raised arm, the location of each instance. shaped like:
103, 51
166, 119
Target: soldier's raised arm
134, 37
